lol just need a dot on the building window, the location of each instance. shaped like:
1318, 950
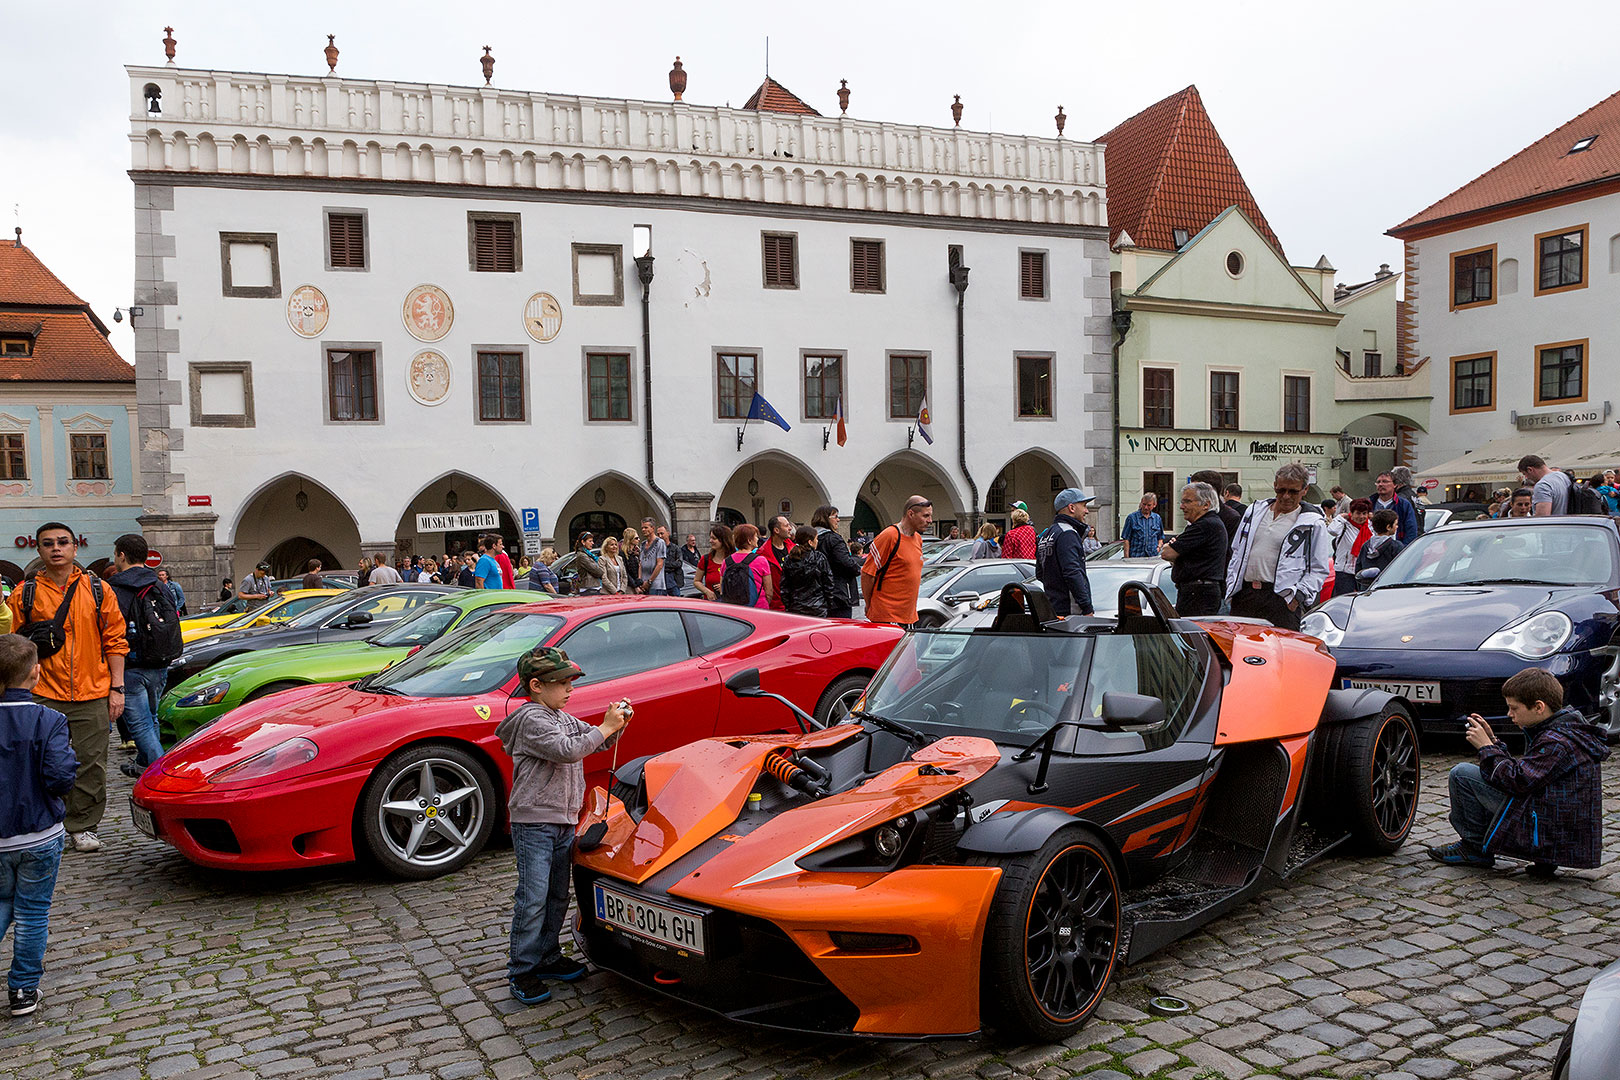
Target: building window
16, 347
1158, 397
736, 379
494, 243
1296, 403
823, 386
866, 266
1223, 400
1471, 277
1032, 275
222, 394
249, 265
1561, 372
1358, 458
89, 456
908, 385
1234, 264
1561, 260
1372, 364
1034, 386
352, 384
781, 260
1473, 383
995, 499
345, 240
598, 275
1162, 484
13, 456
607, 376
500, 386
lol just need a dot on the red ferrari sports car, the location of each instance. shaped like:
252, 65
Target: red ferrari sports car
404, 765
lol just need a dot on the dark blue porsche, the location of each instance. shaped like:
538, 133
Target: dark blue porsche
1466, 606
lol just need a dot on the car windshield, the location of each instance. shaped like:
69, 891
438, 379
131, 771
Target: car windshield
316, 615
935, 577
419, 627
476, 659
1552, 554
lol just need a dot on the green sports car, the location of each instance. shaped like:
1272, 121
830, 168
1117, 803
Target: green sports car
228, 683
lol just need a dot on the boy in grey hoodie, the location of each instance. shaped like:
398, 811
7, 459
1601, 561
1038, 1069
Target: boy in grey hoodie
547, 746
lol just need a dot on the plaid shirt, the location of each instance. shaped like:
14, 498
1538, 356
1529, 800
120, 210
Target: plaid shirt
1554, 811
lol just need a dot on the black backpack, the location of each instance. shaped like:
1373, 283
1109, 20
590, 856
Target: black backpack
879, 570
154, 626
1583, 498
737, 582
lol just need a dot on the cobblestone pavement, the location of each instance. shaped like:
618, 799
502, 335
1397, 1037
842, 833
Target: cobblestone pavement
1391, 968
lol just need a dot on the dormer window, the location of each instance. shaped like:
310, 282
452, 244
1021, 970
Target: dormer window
16, 346
1583, 144
1179, 237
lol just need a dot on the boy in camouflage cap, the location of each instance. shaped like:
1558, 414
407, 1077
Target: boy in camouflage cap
547, 746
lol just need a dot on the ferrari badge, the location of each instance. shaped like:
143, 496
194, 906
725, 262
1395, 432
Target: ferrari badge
482, 711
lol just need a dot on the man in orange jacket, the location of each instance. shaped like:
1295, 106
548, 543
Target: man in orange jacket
85, 679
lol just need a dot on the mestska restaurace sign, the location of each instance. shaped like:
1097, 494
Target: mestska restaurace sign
471, 519
1263, 450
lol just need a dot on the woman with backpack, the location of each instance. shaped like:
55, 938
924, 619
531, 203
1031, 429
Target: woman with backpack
807, 579
712, 564
747, 579
615, 578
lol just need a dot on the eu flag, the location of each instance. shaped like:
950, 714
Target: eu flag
760, 409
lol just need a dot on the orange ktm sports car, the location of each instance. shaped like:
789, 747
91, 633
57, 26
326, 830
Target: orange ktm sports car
1014, 808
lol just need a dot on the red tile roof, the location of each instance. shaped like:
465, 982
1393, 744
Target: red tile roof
1168, 169
772, 96
70, 344
1546, 166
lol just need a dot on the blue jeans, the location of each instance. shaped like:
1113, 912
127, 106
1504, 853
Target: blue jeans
27, 880
545, 858
143, 689
1474, 803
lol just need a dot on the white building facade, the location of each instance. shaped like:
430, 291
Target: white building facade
371, 305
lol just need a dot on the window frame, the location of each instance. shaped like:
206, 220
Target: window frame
474, 218
792, 239
805, 356
927, 361
1146, 413
7, 451
1045, 263
1018, 385
250, 292
1360, 459
522, 354
221, 367
373, 347
1237, 399
1584, 344
758, 356
1584, 230
103, 452
1287, 378
327, 214
586, 353
882, 266
613, 299
1451, 285
25, 340
1451, 383
1371, 358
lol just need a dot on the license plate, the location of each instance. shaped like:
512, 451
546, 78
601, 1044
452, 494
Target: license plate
143, 819
1412, 691
654, 922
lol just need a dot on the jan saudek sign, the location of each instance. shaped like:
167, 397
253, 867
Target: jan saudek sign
470, 519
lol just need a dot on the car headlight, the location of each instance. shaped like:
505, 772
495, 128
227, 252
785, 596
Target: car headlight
212, 694
1319, 624
279, 758
1535, 638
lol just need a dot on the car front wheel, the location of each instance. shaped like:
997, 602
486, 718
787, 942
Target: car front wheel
839, 698
427, 811
1367, 778
1052, 938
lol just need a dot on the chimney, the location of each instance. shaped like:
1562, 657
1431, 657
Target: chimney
1383, 272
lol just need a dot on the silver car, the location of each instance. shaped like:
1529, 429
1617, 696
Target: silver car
952, 587
1107, 575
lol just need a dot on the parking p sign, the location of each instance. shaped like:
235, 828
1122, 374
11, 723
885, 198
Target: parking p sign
531, 519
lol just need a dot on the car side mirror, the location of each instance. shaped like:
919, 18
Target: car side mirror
1369, 575
1122, 710
963, 598
358, 618
745, 683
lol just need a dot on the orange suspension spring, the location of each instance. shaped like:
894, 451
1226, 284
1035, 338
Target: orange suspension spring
781, 768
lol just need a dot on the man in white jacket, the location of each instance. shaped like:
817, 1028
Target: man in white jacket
1281, 554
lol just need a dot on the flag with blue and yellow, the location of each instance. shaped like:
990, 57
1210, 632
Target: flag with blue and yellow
760, 409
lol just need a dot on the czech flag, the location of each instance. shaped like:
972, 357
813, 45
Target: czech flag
924, 418
838, 414
760, 409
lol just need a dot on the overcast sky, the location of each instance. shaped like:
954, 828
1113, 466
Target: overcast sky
1344, 119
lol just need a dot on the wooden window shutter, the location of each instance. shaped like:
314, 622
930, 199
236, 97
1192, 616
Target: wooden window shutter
1032, 275
866, 266
505, 247
779, 261
495, 246
346, 240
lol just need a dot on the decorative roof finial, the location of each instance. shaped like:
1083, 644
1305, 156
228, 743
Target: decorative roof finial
1061, 120
843, 95
19, 237
489, 65
677, 79
331, 54
169, 43
956, 110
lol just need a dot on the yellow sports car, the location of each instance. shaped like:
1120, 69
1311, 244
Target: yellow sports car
276, 609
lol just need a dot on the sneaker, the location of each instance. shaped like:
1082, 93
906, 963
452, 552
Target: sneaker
1542, 871
529, 990
23, 1002
132, 770
563, 969
127, 744
1460, 853
85, 841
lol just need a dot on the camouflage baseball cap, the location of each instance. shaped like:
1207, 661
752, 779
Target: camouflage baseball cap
547, 665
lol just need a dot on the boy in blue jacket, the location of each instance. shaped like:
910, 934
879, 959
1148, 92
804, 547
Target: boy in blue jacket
37, 768
1546, 805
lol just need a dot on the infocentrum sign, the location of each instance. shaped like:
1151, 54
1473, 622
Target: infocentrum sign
462, 522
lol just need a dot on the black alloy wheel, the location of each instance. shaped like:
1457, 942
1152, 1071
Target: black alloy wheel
1395, 776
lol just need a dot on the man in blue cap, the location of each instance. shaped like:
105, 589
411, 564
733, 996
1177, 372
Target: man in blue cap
1059, 559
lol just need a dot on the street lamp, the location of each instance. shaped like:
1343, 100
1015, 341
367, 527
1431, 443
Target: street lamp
1346, 442
641, 248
